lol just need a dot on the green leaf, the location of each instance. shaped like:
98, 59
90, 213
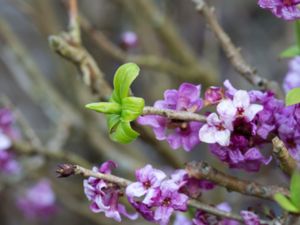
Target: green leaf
105, 107
285, 203
292, 97
112, 122
124, 77
295, 189
132, 107
124, 133
290, 52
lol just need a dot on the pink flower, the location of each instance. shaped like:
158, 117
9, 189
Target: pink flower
105, 196
38, 200
169, 200
215, 130
285, 9
148, 180
238, 107
213, 95
250, 218
177, 133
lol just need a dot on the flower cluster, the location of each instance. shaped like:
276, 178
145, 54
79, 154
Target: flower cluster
234, 132
177, 133
8, 164
155, 197
38, 201
285, 9
105, 196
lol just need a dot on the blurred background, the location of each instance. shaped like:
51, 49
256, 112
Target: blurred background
48, 95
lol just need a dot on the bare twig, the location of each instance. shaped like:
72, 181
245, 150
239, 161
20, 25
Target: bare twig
233, 53
68, 45
287, 163
78, 170
154, 62
202, 170
173, 114
28, 149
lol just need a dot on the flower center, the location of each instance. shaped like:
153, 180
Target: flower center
240, 111
220, 127
147, 184
287, 2
291, 143
166, 201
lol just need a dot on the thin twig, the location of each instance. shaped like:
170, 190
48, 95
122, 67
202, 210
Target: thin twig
233, 53
287, 163
173, 114
154, 62
79, 170
202, 170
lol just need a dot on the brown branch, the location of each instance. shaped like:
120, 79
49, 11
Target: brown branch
78, 170
202, 170
233, 53
173, 114
68, 45
287, 163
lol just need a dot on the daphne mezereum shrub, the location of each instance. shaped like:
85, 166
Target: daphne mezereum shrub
240, 127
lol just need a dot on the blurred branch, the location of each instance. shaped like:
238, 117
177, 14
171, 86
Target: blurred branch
233, 53
27, 149
202, 170
65, 171
154, 62
68, 45
287, 163
177, 46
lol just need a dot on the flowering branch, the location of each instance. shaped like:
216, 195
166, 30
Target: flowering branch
173, 114
287, 163
233, 53
202, 170
66, 170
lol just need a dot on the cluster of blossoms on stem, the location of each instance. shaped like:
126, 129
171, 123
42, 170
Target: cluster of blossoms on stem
38, 201
8, 164
243, 123
105, 196
177, 133
156, 197
285, 9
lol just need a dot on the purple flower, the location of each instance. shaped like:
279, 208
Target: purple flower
177, 133
181, 219
38, 201
189, 185
129, 40
216, 130
285, 9
292, 78
8, 164
250, 218
105, 196
213, 95
148, 180
167, 201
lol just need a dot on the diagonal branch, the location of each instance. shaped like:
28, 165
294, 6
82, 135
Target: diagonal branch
65, 170
202, 170
233, 53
